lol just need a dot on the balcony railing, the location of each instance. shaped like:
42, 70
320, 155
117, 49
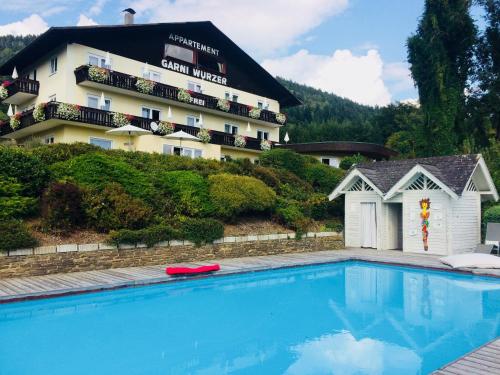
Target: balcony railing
22, 86
161, 90
100, 117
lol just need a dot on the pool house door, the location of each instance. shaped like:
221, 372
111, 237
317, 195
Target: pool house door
368, 225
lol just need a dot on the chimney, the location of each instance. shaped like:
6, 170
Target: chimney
128, 18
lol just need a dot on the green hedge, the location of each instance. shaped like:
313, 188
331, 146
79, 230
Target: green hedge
188, 192
12, 204
150, 236
349, 161
492, 215
96, 170
27, 169
15, 235
284, 159
201, 231
62, 208
234, 195
323, 178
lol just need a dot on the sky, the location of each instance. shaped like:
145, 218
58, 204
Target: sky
352, 48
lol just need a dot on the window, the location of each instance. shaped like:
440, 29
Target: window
184, 151
53, 65
103, 143
48, 139
179, 53
153, 114
261, 134
211, 63
260, 105
52, 98
93, 102
332, 162
193, 86
231, 129
232, 97
152, 75
192, 121
97, 60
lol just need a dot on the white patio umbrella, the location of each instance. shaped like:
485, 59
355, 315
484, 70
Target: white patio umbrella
169, 113
200, 120
107, 61
10, 112
249, 129
102, 101
180, 135
145, 70
129, 130
287, 138
14, 73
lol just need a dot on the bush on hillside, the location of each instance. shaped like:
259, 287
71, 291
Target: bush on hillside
284, 159
233, 195
26, 168
290, 214
150, 236
112, 209
492, 215
268, 176
349, 161
62, 207
15, 235
96, 170
317, 207
322, 177
12, 204
188, 191
201, 231
57, 152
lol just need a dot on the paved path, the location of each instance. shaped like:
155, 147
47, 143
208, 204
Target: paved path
485, 360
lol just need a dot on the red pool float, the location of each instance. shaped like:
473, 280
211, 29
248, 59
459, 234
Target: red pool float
181, 271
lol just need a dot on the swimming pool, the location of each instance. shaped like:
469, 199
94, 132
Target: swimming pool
343, 318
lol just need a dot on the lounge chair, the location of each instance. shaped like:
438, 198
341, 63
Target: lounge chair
492, 240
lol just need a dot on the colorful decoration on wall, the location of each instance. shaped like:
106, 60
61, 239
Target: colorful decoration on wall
425, 206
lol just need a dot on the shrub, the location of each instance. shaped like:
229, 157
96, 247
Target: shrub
201, 231
268, 176
349, 161
12, 204
290, 214
62, 207
50, 154
284, 159
188, 190
317, 206
233, 195
335, 225
26, 168
112, 209
96, 170
491, 215
15, 235
150, 236
322, 177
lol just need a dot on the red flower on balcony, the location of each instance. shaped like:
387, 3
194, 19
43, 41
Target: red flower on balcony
6, 83
129, 117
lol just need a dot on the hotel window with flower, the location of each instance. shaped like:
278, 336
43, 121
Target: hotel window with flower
97, 60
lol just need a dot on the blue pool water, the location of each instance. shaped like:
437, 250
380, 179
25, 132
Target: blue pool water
344, 318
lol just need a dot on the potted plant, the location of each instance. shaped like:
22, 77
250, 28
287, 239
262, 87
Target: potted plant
145, 86
39, 112
184, 96
121, 119
204, 135
281, 118
223, 105
98, 74
240, 141
4, 93
68, 111
255, 113
165, 127
15, 121
265, 145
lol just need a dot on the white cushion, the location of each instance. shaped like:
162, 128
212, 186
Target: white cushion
472, 261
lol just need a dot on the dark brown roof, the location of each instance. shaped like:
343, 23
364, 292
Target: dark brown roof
454, 171
370, 150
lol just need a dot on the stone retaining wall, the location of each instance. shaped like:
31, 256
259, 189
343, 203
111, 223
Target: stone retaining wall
73, 258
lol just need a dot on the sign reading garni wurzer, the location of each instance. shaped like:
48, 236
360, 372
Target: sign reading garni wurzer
174, 56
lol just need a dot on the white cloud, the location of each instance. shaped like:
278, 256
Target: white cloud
36, 6
96, 9
397, 76
53, 11
261, 26
85, 21
358, 78
33, 24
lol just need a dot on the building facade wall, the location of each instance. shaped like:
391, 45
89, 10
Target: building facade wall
465, 222
352, 228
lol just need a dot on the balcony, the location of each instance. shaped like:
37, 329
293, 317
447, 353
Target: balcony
101, 118
127, 82
21, 90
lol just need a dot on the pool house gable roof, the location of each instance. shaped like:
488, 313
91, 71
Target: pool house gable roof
452, 174
349, 180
